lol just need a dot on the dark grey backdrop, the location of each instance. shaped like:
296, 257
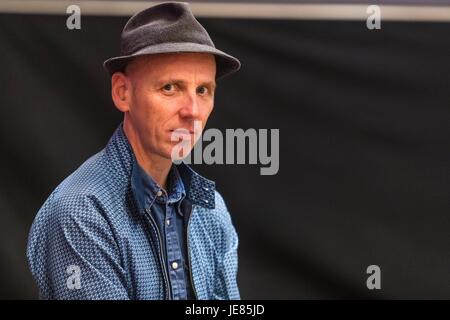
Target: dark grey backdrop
364, 136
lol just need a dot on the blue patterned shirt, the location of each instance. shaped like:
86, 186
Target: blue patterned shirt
165, 209
90, 240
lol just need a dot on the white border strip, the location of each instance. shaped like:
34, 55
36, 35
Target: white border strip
237, 10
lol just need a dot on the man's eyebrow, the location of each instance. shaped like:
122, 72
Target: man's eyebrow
211, 84
169, 80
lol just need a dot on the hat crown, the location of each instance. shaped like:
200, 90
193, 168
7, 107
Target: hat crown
167, 22
167, 28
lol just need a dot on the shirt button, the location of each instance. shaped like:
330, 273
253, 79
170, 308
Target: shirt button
174, 265
159, 193
168, 222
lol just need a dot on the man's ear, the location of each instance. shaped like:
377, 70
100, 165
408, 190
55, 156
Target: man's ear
121, 91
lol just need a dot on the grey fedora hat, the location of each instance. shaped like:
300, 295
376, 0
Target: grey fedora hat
167, 28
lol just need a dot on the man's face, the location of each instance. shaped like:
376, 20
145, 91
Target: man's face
169, 92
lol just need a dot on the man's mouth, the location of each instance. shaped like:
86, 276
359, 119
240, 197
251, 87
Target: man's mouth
182, 134
183, 131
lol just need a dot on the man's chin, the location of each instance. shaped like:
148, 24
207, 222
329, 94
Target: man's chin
176, 152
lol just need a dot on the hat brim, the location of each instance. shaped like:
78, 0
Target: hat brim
225, 64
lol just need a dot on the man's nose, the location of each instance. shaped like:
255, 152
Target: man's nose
191, 108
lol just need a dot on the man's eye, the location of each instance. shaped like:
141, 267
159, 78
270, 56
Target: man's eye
168, 87
202, 90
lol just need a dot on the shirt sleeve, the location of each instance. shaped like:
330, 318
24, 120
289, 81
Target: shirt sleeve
226, 281
72, 252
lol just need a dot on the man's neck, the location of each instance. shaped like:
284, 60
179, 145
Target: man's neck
155, 166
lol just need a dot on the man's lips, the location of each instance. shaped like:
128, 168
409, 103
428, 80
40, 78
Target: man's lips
182, 131
178, 135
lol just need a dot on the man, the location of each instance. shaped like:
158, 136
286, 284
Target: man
129, 223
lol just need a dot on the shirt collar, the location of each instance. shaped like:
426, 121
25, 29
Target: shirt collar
201, 191
146, 190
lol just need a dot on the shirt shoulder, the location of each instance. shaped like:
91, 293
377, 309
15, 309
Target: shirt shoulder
90, 191
218, 217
